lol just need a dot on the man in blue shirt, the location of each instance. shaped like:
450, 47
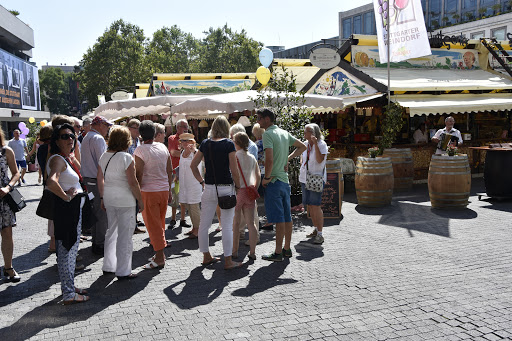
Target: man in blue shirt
19, 146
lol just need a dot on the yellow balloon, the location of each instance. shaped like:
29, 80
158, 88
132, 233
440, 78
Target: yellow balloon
42, 123
263, 75
31, 120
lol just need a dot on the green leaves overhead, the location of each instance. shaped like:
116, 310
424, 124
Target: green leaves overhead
54, 90
123, 56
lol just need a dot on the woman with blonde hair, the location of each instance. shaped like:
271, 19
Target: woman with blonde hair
221, 171
119, 188
7, 216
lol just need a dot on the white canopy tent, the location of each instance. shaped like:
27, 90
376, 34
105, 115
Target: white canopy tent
139, 106
243, 100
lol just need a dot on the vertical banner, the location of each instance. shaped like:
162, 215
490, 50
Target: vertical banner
407, 32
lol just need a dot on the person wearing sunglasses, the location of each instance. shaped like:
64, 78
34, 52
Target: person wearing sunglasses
64, 182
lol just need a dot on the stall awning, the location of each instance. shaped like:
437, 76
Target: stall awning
439, 79
452, 103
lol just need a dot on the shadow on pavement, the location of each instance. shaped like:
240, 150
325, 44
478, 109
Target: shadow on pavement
198, 290
265, 278
308, 251
103, 293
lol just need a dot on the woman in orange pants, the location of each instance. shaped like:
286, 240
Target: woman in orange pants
154, 173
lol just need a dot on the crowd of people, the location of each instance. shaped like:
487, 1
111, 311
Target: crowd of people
98, 179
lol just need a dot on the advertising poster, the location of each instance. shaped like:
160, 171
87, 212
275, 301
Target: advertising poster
19, 83
407, 32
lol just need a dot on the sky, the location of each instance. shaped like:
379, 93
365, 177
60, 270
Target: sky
64, 30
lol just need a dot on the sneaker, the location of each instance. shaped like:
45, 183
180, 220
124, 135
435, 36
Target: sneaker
183, 223
23, 180
312, 234
273, 257
287, 253
318, 240
172, 224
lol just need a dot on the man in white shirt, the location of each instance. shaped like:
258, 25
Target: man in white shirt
93, 146
19, 146
420, 135
456, 137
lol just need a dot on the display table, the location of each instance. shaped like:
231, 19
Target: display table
498, 165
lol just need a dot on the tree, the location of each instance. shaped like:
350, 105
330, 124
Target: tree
14, 12
445, 20
496, 8
456, 17
117, 59
223, 50
290, 113
171, 50
54, 90
468, 15
482, 11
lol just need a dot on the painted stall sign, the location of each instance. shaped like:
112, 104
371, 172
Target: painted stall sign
368, 56
338, 82
207, 86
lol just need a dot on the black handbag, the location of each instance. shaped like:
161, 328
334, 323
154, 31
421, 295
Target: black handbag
46, 206
226, 202
15, 200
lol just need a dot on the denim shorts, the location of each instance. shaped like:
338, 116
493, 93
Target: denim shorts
277, 202
310, 197
21, 163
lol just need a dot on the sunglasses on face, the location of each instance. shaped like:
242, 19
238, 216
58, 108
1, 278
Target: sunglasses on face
67, 136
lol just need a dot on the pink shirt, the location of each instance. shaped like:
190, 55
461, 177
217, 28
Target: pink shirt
154, 178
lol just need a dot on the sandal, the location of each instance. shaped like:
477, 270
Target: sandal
81, 291
14, 278
218, 229
211, 261
252, 256
234, 266
77, 299
79, 267
152, 265
130, 276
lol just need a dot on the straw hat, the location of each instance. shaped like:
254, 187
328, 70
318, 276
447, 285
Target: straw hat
187, 137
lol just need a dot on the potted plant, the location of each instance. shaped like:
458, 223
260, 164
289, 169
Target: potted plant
451, 150
373, 152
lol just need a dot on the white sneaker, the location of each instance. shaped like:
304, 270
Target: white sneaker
318, 239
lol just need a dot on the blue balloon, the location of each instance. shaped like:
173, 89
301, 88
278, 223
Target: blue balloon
266, 57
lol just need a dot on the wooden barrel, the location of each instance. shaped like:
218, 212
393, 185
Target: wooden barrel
403, 169
449, 181
374, 181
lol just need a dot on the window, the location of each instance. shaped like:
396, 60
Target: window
347, 28
499, 33
477, 35
450, 6
369, 23
469, 4
357, 24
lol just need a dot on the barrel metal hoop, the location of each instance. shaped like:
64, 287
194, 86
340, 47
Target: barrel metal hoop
372, 174
450, 173
450, 194
374, 191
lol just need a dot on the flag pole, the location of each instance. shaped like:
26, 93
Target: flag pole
389, 59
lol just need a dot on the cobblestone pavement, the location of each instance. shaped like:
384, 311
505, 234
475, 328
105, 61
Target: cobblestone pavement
401, 272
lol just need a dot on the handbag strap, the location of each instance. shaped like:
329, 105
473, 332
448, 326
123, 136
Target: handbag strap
105, 172
75, 168
241, 172
307, 161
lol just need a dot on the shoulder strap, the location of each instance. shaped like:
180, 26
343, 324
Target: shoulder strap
213, 166
241, 172
105, 171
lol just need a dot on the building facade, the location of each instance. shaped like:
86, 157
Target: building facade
19, 81
474, 19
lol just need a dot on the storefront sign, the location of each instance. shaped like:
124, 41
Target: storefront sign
438, 40
405, 26
456, 59
325, 58
207, 86
19, 83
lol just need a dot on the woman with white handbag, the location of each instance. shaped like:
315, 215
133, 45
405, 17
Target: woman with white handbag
312, 178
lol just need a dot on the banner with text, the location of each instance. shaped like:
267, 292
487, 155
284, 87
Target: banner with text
19, 83
407, 32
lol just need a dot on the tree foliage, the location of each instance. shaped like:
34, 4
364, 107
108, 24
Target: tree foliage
391, 125
54, 90
172, 51
117, 59
225, 50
